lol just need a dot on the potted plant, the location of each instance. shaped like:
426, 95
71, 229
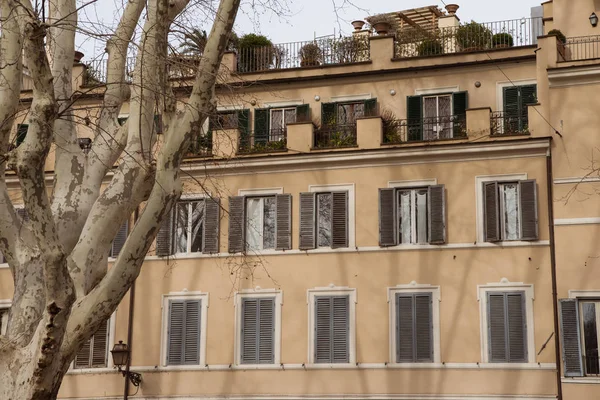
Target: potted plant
502, 40
382, 23
562, 40
430, 47
77, 57
559, 35
255, 53
310, 55
358, 24
473, 36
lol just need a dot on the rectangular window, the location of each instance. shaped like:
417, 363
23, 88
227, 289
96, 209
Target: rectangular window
412, 215
323, 220
188, 227
510, 209
437, 117
225, 120
507, 327
260, 223
280, 117
332, 329
414, 327
94, 352
3, 320
183, 332
589, 320
515, 101
119, 240
258, 331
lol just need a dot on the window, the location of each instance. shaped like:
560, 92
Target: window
510, 210
580, 329
324, 220
258, 331
183, 342
412, 215
439, 116
270, 124
3, 320
260, 222
192, 226
414, 327
346, 113
119, 240
515, 100
94, 352
437, 112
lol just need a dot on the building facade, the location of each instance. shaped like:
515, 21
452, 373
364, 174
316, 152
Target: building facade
406, 215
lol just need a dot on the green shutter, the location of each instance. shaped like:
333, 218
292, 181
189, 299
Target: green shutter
460, 103
261, 125
243, 120
414, 116
328, 114
528, 96
371, 107
21, 133
303, 113
511, 109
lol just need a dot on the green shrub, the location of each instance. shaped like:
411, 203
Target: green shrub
473, 36
310, 54
429, 47
559, 35
255, 53
500, 39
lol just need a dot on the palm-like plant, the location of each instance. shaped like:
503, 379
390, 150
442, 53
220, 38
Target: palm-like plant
194, 42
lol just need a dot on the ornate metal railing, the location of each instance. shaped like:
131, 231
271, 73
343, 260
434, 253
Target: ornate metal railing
580, 48
322, 51
414, 41
263, 142
503, 123
335, 136
426, 129
95, 72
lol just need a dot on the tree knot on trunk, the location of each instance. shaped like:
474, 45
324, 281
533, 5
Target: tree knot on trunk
53, 310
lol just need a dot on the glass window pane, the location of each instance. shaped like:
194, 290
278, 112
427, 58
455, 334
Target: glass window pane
181, 226
324, 220
254, 226
269, 223
290, 116
277, 119
510, 199
421, 211
404, 216
197, 225
445, 106
349, 112
590, 338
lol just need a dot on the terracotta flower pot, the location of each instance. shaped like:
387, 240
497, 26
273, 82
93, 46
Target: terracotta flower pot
451, 8
358, 24
382, 28
77, 56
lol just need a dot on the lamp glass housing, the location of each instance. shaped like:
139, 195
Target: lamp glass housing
594, 19
120, 354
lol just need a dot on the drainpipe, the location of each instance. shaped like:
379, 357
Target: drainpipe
130, 325
550, 184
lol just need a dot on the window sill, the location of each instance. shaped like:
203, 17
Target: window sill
90, 371
586, 380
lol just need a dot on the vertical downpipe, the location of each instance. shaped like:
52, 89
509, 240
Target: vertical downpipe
130, 325
550, 184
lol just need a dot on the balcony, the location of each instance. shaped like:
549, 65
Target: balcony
470, 37
273, 140
579, 48
424, 130
202, 147
507, 124
335, 136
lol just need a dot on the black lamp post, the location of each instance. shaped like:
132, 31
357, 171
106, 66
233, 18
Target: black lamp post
594, 19
120, 355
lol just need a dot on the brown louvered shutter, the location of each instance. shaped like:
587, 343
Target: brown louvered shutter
83, 356
339, 220
266, 331
340, 329
570, 338
323, 329
528, 208
210, 235
236, 224
249, 342
404, 328
496, 328
423, 328
414, 327
175, 332
164, 244
516, 330
307, 221
283, 237
388, 235
436, 207
119, 240
100, 346
191, 353
491, 212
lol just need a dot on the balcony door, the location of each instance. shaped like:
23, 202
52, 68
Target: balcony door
437, 117
280, 117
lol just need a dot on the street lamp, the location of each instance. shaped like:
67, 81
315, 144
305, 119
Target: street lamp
120, 355
594, 19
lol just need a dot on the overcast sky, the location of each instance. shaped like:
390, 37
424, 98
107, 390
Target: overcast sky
309, 18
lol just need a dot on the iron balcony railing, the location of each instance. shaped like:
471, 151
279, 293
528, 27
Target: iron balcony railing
321, 51
95, 72
424, 130
335, 136
263, 142
201, 147
505, 123
413, 41
579, 48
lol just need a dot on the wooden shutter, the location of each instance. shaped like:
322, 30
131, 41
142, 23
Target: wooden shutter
266, 331
283, 237
83, 356
497, 346
414, 327
21, 133
404, 328
528, 95
261, 125
388, 235
491, 212
191, 354
460, 103
175, 332
164, 241
436, 208
370, 107
119, 240
236, 224
323, 330
183, 336
528, 209
249, 342
243, 120
339, 220
414, 116
328, 114
512, 107
307, 221
340, 329
423, 328
516, 330
570, 338
100, 346
210, 234
303, 113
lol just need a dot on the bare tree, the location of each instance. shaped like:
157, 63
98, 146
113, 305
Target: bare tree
58, 255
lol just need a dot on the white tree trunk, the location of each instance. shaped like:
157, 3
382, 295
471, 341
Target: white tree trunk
58, 256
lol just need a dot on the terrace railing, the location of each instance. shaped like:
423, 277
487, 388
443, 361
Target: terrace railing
580, 48
335, 136
414, 41
425, 129
202, 147
96, 71
320, 51
503, 123
263, 142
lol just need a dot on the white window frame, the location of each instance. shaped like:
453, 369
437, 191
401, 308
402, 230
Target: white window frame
283, 110
254, 294
350, 98
348, 187
4, 306
411, 185
436, 298
500, 85
185, 295
184, 198
109, 345
583, 296
438, 90
480, 208
258, 193
506, 286
332, 290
